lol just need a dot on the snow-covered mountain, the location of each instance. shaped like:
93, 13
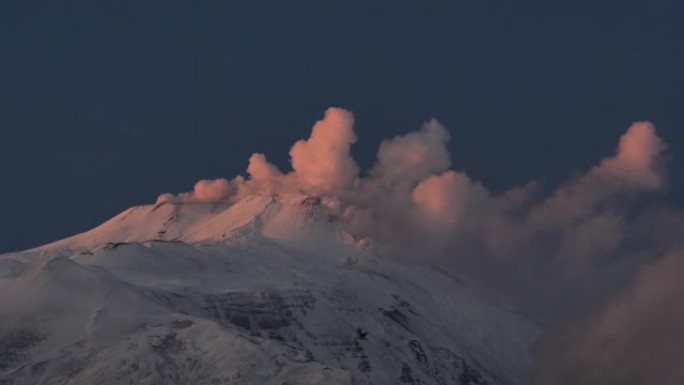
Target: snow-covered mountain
264, 291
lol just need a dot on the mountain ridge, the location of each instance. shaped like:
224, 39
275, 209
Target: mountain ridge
264, 291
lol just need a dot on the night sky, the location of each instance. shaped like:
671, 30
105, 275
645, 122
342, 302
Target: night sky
109, 104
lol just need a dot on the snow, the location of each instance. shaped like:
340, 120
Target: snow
265, 291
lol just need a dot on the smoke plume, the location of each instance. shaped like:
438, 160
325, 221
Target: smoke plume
554, 254
411, 203
636, 339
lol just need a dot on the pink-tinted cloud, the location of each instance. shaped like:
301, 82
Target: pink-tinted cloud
212, 190
414, 156
638, 338
260, 169
448, 198
411, 202
553, 254
322, 162
637, 161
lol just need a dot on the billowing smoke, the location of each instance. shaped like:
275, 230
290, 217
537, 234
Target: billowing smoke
554, 254
637, 339
411, 158
322, 163
412, 203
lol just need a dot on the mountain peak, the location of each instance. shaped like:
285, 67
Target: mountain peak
265, 290
289, 217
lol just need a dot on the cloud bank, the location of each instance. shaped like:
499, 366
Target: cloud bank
412, 203
554, 254
636, 339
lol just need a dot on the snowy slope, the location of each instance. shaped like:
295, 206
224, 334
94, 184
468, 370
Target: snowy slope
261, 292
290, 217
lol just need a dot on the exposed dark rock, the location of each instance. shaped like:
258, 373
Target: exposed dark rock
181, 323
419, 354
114, 245
398, 317
167, 343
15, 343
406, 376
364, 365
470, 376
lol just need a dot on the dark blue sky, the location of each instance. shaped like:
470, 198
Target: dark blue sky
107, 106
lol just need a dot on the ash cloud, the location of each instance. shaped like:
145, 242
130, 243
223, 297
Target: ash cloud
322, 163
636, 339
413, 203
554, 254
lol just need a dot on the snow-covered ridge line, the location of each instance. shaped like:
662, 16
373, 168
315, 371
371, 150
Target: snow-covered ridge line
207, 222
264, 291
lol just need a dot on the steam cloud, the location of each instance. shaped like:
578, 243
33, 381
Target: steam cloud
554, 254
636, 339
